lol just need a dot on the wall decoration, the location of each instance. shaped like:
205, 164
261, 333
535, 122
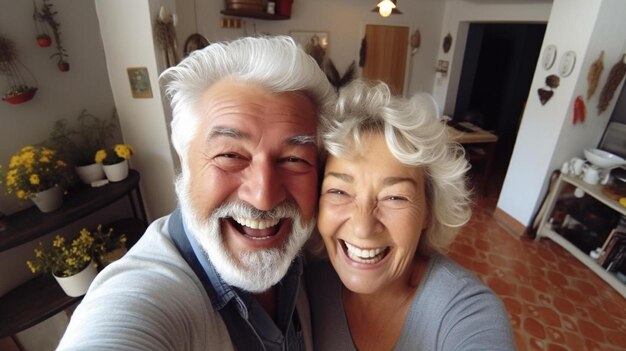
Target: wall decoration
416, 41
19, 89
139, 82
580, 111
442, 67
447, 43
337, 80
546, 93
195, 42
548, 57
595, 70
612, 82
567, 63
314, 43
44, 17
165, 34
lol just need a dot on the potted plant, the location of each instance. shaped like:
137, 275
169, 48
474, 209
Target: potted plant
115, 161
44, 40
18, 94
107, 246
70, 262
36, 173
80, 143
19, 91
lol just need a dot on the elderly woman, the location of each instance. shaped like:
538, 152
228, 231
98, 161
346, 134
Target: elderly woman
392, 198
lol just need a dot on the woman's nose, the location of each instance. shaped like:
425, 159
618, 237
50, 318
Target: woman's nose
263, 186
364, 219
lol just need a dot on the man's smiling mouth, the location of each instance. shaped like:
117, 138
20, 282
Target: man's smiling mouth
257, 229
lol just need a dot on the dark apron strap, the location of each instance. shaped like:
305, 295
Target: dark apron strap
241, 333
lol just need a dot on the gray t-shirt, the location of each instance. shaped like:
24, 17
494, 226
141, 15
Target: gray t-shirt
451, 310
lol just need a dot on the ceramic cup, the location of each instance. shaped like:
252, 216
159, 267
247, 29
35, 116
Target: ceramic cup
591, 174
576, 165
565, 168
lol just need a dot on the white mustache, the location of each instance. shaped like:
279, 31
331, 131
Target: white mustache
243, 209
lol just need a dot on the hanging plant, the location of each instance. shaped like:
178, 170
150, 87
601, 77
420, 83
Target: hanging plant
43, 38
19, 90
46, 16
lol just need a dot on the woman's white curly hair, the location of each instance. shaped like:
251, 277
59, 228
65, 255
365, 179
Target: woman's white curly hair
416, 137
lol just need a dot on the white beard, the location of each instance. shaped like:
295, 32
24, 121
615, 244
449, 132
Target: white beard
250, 270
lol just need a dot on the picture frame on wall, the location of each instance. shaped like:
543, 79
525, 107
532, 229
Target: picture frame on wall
139, 82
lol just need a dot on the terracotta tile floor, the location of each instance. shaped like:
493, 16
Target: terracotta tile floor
554, 302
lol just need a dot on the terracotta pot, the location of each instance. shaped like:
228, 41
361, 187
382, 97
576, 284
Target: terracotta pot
49, 199
44, 40
78, 284
18, 99
63, 66
116, 172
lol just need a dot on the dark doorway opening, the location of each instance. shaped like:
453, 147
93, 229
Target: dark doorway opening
498, 68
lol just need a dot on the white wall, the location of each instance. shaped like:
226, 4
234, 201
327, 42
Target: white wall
344, 21
60, 94
126, 30
547, 136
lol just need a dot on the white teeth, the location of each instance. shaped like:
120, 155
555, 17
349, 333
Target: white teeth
364, 255
256, 223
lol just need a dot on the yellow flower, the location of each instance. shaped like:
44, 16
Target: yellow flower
38, 253
44, 159
34, 179
21, 194
124, 151
60, 163
27, 148
100, 156
58, 241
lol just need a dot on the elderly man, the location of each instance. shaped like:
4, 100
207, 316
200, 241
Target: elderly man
223, 271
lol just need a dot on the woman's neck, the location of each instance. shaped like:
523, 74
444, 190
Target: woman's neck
376, 320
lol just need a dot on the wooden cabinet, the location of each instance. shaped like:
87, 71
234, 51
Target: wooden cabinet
550, 224
41, 297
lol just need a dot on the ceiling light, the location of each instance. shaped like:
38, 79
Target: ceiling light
386, 8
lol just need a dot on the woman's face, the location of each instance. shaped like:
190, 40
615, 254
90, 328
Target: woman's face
372, 212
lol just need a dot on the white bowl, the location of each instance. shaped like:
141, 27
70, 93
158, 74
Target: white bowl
603, 159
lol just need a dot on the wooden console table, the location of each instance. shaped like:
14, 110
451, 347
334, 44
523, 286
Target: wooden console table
41, 297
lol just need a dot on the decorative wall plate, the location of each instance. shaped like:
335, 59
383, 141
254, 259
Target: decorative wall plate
548, 57
567, 63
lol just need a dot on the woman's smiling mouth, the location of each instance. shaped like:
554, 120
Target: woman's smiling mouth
364, 255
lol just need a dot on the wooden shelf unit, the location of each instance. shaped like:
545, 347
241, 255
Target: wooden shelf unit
254, 14
547, 231
41, 297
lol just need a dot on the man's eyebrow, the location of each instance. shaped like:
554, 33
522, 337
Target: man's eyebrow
302, 140
226, 132
341, 176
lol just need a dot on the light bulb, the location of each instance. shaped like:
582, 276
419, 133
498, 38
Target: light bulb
385, 7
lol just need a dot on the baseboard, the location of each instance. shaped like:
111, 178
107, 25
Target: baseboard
509, 223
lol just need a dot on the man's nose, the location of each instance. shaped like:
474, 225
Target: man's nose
263, 186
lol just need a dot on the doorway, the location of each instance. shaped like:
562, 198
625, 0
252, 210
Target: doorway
498, 67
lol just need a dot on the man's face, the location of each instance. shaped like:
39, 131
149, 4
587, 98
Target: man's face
256, 149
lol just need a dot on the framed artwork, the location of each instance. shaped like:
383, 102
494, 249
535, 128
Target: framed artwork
139, 82
314, 43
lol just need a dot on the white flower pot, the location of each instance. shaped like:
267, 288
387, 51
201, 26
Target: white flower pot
49, 199
78, 284
116, 172
90, 173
